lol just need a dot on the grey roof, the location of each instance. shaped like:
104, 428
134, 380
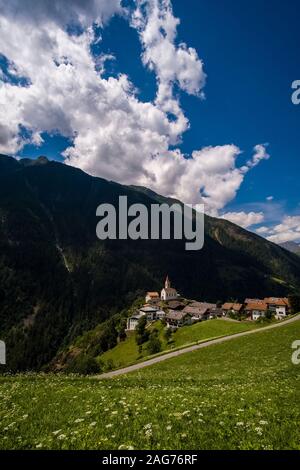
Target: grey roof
177, 315
149, 309
254, 301
216, 311
136, 316
201, 309
175, 304
202, 305
170, 290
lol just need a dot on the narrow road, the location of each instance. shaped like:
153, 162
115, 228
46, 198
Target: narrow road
196, 347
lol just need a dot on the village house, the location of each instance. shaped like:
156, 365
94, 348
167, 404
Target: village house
278, 306
215, 313
149, 311
160, 315
231, 307
176, 305
256, 310
132, 321
254, 301
199, 310
152, 297
177, 319
197, 314
168, 292
195, 304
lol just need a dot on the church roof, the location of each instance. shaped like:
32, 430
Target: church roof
169, 290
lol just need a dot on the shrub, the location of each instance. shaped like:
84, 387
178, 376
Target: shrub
168, 334
84, 365
154, 345
142, 335
295, 303
109, 365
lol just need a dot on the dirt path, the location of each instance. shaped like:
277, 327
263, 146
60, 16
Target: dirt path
196, 347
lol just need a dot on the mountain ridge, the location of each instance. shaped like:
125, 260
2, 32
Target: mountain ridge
292, 247
57, 280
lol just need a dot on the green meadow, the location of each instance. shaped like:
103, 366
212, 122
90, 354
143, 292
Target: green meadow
127, 352
242, 394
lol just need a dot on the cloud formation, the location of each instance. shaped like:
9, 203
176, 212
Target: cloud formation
173, 65
245, 219
114, 134
262, 230
288, 230
62, 13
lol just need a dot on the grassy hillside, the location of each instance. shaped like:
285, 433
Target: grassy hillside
243, 394
58, 281
127, 352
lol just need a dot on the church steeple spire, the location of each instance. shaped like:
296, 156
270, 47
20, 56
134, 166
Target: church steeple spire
167, 283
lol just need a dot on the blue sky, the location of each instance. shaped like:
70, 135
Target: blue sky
251, 57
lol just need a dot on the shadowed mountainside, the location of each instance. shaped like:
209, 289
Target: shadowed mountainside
58, 280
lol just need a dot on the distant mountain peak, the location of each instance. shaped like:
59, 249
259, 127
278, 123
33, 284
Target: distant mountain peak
59, 281
293, 247
42, 160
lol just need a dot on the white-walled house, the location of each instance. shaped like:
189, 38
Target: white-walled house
160, 315
280, 313
178, 319
152, 297
149, 311
132, 322
233, 307
256, 310
279, 306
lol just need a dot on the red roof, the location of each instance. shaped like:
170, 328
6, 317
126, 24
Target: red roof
278, 301
232, 306
257, 306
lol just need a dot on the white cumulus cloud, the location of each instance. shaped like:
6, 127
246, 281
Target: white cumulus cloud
262, 230
288, 230
157, 28
63, 13
113, 133
244, 219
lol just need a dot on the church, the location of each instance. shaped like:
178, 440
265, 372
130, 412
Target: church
168, 292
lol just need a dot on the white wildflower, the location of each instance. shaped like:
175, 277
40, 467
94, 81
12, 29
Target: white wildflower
125, 447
